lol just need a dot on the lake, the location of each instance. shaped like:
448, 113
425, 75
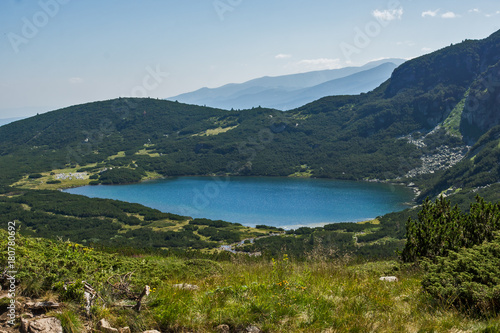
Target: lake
280, 202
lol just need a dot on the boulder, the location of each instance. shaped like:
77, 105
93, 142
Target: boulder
41, 325
104, 327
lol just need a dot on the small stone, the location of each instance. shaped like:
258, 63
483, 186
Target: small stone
124, 330
105, 327
223, 328
389, 278
185, 286
253, 329
152, 331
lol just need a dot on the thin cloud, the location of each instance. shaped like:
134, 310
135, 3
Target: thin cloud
449, 15
406, 43
426, 49
475, 10
318, 64
75, 80
493, 14
430, 13
388, 14
283, 56
378, 59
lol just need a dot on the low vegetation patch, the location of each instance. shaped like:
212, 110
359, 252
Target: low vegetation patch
441, 228
215, 131
275, 295
468, 279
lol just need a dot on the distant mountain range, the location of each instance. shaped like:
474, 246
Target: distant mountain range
292, 91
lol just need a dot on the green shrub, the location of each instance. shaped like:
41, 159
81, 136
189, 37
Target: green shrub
53, 182
71, 291
121, 176
441, 228
468, 279
35, 176
4, 303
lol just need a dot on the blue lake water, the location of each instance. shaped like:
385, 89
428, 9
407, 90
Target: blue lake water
281, 202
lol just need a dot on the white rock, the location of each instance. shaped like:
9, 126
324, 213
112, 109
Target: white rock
389, 278
185, 286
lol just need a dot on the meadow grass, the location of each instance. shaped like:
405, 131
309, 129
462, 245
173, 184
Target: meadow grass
216, 131
307, 297
276, 295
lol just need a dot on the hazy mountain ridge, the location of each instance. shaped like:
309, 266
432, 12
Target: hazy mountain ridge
286, 100
291, 91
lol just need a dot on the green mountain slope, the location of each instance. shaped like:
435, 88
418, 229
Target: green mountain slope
343, 137
433, 123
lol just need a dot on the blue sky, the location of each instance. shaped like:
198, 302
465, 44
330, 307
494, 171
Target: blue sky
56, 53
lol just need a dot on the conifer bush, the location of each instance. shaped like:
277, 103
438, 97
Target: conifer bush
441, 228
468, 279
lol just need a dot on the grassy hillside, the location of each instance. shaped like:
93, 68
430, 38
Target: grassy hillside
279, 295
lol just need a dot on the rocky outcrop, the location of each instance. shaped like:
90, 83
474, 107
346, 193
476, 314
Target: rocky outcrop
443, 158
104, 327
41, 325
482, 107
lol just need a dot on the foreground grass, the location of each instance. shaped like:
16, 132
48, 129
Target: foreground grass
274, 295
309, 297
